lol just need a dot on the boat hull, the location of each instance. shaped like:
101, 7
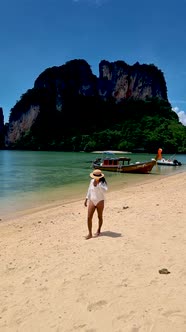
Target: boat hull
165, 162
142, 168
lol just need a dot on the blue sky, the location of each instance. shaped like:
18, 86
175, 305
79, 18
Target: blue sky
37, 34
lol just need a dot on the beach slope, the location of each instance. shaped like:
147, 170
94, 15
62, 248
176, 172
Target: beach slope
131, 278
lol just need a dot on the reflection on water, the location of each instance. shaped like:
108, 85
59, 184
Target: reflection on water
30, 179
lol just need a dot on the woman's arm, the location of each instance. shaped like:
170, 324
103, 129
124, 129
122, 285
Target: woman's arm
88, 194
103, 185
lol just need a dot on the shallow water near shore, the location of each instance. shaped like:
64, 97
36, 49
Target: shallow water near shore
34, 180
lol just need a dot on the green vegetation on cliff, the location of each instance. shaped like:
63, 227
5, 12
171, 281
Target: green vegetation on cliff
133, 125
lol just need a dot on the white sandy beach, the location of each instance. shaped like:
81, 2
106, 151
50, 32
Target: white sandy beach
52, 279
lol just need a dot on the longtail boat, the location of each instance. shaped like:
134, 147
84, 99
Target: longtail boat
113, 163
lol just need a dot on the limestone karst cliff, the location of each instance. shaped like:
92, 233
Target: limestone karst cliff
1, 128
70, 99
121, 81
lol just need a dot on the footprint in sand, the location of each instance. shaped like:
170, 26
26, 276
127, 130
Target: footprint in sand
174, 313
79, 327
96, 305
26, 281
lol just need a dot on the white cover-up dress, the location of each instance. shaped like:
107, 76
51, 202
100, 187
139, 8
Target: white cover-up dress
95, 194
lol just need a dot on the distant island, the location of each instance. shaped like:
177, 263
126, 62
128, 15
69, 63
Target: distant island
71, 109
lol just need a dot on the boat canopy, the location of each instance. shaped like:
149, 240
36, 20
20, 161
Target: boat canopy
115, 160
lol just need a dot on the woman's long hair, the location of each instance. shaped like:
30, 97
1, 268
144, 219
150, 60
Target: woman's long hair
103, 180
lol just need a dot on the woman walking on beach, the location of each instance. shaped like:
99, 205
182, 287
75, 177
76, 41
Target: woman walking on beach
95, 197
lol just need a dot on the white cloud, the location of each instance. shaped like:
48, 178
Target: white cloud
181, 115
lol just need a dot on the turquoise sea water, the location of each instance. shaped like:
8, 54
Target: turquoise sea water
32, 179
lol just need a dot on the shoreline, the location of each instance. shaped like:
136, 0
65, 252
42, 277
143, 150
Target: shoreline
79, 194
52, 279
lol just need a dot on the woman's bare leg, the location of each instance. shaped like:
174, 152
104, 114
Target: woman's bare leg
100, 207
91, 210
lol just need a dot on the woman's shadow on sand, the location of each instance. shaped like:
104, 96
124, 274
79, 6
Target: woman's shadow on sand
110, 234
